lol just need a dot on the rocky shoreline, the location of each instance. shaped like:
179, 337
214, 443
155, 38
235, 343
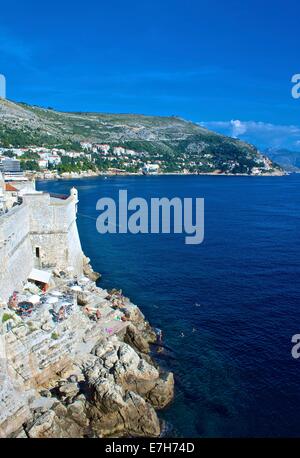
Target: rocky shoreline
82, 376
72, 176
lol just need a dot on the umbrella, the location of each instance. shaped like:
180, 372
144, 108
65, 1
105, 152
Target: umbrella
35, 299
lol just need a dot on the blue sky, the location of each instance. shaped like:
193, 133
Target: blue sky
214, 62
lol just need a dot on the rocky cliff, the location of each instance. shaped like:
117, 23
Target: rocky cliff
80, 376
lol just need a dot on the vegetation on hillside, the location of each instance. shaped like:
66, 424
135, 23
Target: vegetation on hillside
174, 143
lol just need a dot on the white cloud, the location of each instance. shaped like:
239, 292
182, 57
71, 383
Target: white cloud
261, 134
238, 128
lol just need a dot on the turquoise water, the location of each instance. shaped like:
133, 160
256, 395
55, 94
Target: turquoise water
235, 298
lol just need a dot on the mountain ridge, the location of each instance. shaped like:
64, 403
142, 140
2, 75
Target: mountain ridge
178, 144
287, 159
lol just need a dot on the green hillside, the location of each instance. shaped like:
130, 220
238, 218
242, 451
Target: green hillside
176, 143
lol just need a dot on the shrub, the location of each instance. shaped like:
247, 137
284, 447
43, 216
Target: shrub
6, 317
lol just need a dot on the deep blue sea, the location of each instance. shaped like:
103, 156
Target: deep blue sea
235, 297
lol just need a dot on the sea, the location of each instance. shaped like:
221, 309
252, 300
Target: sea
228, 307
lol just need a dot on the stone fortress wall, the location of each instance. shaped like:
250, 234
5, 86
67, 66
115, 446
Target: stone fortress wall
16, 260
40, 233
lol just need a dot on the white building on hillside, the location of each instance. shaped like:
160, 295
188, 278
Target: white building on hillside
150, 169
86, 145
119, 150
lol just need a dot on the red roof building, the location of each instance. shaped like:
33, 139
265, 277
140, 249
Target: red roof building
9, 187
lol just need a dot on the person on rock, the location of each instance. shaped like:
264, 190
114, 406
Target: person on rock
61, 313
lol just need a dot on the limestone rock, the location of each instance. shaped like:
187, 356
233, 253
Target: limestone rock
108, 396
48, 326
21, 434
68, 390
60, 410
134, 338
77, 412
20, 331
135, 417
34, 325
163, 392
71, 379
42, 425
46, 393
88, 270
128, 356
83, 298
142, 419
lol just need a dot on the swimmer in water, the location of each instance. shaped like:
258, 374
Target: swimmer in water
160, 336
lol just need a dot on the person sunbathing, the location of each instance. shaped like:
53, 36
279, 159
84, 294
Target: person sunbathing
13, 302
61, 313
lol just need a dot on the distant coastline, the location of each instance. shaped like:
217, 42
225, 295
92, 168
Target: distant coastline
74, 175
72, 145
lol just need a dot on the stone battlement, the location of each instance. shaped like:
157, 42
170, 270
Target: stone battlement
42, 233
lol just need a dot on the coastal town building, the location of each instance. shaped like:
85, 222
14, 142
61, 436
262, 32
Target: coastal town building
54, 159
90, 159
150, 168
103, 148
10, 165
119, 150
130, 152
43, 163
86, 145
